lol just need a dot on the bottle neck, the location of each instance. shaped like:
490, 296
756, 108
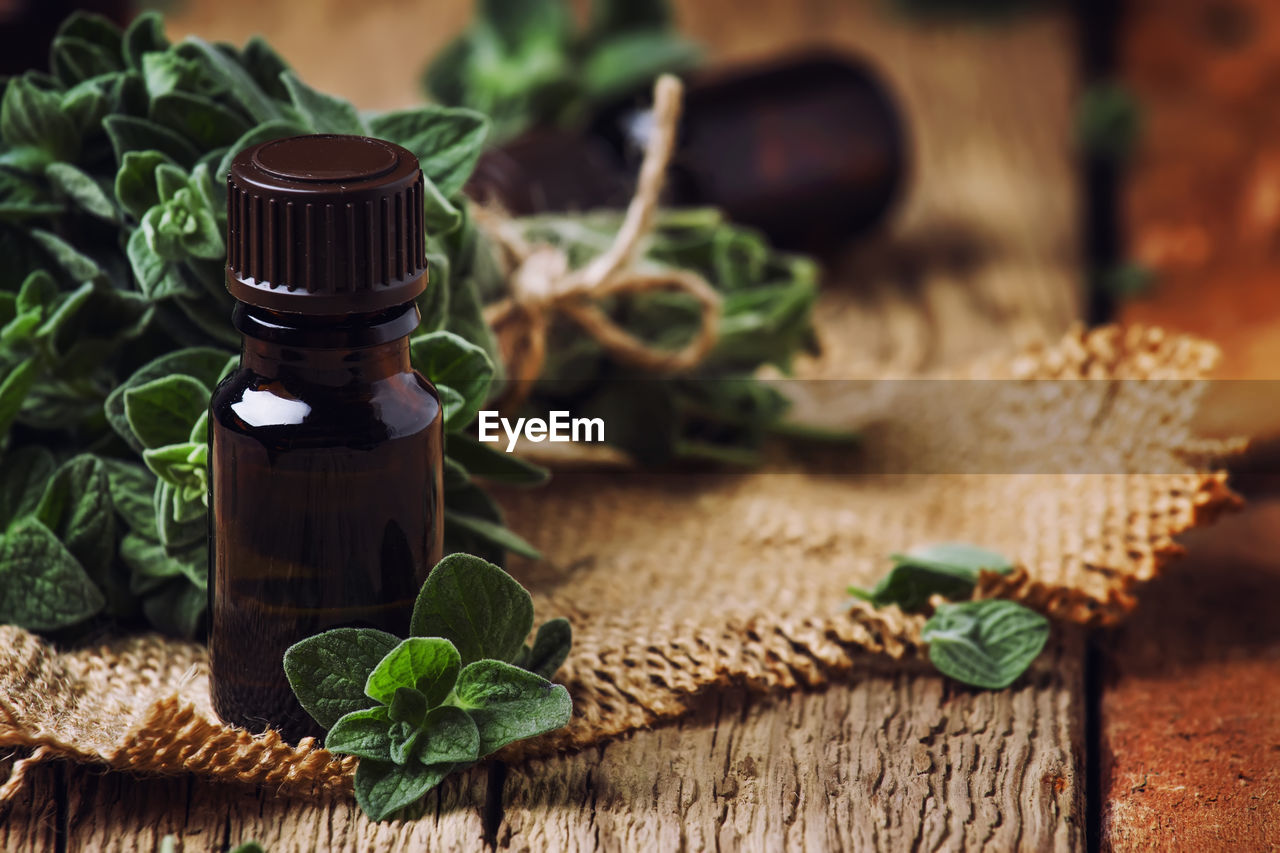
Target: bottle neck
329, 351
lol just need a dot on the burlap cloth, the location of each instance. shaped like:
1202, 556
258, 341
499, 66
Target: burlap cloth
679, 583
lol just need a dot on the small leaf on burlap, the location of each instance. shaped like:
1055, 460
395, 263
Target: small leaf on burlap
328, 671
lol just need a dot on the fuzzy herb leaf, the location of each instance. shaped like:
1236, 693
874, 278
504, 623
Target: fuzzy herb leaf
14, 389
551, 648
508, 704
24, 475
76, 506
83, 190
199, 119
450, 736
362, 734
202, 364
42, 586
145, 35
985, 643
328, 672
477, 606
446, 140
136, 182
484, 460
948, 569
325, 113
383, 788
29, 115
448, 359
160, 412
257, 103
130, 133
428, 665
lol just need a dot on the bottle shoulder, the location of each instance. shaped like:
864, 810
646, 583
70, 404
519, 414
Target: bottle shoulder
394, 406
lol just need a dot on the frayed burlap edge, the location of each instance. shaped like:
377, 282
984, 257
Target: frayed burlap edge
178, 734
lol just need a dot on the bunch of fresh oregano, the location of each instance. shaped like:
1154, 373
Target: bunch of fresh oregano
523, 62
115, 322
719, 411
462, 686
985, 643
114, 319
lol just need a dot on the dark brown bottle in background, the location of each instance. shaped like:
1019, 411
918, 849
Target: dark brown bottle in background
811, 150
327, 447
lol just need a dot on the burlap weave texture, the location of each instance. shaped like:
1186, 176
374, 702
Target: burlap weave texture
677, 583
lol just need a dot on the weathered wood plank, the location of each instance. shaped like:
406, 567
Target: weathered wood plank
31, 822
115, 812
1190, 734
900, 759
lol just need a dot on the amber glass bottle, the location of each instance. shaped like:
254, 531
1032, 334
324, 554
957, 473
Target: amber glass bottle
812, 150
326, 463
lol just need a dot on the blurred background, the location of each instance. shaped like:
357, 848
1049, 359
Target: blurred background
1124, 151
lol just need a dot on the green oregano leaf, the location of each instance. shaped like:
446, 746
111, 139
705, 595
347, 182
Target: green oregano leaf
29, 115
198, 119
427, 664
42, 586
325, 113
362, 733
76, 506
151, 562
383, 788
408, 706
328, 672
508, 704
265, 66
492, 532
145, 35
78, 266
984, 643
82, 189
24, 475
956, 555
161, 412
550, 648
130, 133
176, 608
475, 605
260, 106
948, 569
204, 364
446, 140
136, 181
450, 735
404, 741
484, 460
132, 492
14, 389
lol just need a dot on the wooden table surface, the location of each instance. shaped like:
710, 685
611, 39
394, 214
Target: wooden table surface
1087, 750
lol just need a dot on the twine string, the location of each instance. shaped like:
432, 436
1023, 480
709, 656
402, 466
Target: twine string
542, 285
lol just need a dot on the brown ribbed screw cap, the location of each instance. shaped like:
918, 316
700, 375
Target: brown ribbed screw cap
325, 224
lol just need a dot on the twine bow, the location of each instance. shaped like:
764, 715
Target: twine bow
542, 285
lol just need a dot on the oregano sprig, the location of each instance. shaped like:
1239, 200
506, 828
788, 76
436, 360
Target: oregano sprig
463, 685
987, 643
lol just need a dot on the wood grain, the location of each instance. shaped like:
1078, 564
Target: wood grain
902, 759
898, 759
34, 820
